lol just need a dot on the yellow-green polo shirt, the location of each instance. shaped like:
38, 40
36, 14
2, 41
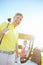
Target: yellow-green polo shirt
10, 39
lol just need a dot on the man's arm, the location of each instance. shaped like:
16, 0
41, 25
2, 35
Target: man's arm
16, 50
3, 31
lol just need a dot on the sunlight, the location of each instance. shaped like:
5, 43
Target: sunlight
34, 28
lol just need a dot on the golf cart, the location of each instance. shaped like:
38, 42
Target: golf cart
30, 53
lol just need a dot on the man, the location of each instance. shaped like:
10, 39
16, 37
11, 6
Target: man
9, 42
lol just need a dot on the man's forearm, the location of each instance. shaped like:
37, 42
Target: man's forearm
16, 50
1, 33
4, 31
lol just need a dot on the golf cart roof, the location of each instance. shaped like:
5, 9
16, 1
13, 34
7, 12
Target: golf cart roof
25, 36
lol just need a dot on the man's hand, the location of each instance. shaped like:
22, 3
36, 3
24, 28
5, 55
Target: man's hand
5, 30
1, 33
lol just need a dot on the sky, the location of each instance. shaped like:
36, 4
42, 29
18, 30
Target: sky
32, 22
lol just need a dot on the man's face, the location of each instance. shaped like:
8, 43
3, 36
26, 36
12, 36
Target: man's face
25, 43
17, 19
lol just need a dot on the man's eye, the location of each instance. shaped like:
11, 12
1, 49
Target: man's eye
18, 17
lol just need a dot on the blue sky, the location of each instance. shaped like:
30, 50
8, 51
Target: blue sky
8, 8
32, 11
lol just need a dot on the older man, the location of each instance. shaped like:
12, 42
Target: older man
9, 41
